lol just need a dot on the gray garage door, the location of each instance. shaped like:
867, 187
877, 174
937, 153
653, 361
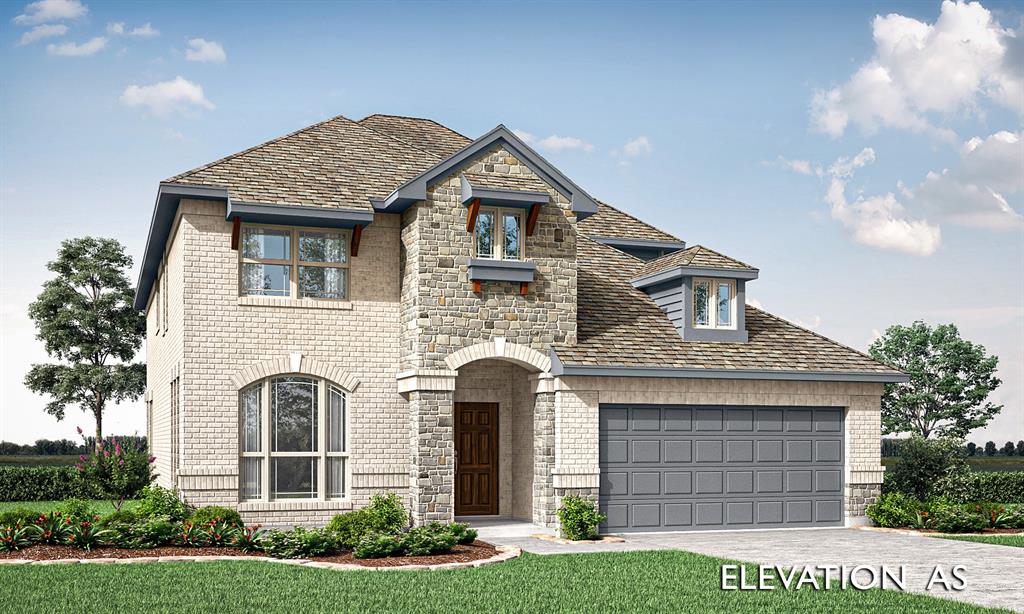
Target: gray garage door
682, 467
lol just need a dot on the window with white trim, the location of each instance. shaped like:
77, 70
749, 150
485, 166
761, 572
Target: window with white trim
294, 262
499, 233
293, 440
714, 303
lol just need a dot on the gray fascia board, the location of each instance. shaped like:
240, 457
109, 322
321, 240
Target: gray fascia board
416, 188
484, 269
688, 271
298, 215
168, 196
498, 196
744, 374
652, 243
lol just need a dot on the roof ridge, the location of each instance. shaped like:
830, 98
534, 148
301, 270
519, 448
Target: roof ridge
255, 147
820, 336
717, 253
395, 138
636, 219
422, 119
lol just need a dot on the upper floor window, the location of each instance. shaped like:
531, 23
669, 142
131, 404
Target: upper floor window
499, 233
296, 263
714, 303
293, 442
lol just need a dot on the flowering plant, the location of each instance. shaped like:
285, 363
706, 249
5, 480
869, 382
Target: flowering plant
14, 538
52, 528
248, 538
86, 536
192, 535
221, 533
119, 471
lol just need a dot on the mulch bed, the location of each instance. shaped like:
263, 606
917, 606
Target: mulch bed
476, 551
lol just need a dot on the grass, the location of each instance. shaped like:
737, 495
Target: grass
52, 460
1016, 541
665, 581
980, 463
101, 507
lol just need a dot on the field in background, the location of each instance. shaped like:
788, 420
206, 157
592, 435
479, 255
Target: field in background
50, 460
980, 463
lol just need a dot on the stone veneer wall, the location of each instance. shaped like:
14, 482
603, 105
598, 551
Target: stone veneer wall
440, 312
432, 466
544, 446
224, 333
858, 498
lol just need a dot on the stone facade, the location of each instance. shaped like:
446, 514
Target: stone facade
432, 466
858, 498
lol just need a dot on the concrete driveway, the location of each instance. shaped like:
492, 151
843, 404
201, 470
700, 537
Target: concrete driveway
994, 574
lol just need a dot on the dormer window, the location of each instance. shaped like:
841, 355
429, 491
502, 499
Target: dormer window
499, 233
714, 303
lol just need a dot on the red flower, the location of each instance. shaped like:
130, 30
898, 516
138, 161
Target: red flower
79, 429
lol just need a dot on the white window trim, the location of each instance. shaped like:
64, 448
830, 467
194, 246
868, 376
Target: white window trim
713, 303
499, 233
321, 454
294, 263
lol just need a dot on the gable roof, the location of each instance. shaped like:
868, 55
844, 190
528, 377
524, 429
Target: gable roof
612, 222
621, 327
423, 134
697, 256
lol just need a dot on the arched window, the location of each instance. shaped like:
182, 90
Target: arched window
293, 440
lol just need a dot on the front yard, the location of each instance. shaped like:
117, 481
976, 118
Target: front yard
609, 582
1001, 540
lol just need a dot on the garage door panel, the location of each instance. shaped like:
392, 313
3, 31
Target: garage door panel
693, 467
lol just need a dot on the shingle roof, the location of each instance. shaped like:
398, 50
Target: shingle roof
506, 182
611, 222
334, 163
423, 134
619, 325
696, 256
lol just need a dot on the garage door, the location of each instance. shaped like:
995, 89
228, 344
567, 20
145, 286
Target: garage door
682, 467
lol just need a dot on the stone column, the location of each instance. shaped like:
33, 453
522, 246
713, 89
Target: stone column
432, 444
544, 460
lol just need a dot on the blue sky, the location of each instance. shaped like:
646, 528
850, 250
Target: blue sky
719, 123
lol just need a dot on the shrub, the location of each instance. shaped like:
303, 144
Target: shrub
925, 466
299, 543
204, 516
19, 516
14, 538
221, 533
1012, 517
119, 517
158, 501
894, 509
191, 535
248, 539
86, 535
579, 518
999, 486
462, 533
377, 545
76, 510
385, 514
119, 470
52, 528
959, 519
143, 533
19, 483
433, 538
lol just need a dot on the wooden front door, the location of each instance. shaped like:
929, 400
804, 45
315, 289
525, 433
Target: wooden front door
476, 454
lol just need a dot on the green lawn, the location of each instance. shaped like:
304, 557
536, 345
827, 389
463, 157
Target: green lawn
666, 581
40, 461
1001, 540
100, 507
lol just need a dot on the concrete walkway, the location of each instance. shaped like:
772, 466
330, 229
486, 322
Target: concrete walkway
994, 574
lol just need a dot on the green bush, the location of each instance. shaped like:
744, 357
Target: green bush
75, 509
433, 538
894, 509
158, 501
18, 483
1012, 517
143, 532
998, 486
19, 516
926, 467
462, 533
15, 538
52, 528
385, 514
377, 545
86, 535
579, 518
119, 517
299, 543
958, 519
205, 516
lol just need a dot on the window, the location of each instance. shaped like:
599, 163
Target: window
499, 234
714, 303
293, 440
294, 263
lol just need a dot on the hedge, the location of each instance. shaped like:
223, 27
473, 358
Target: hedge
19, 483
993, 486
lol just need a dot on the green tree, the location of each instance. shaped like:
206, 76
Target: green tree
85, 319
1020, 448
972, 448
950, 380
1008, 448
990, 448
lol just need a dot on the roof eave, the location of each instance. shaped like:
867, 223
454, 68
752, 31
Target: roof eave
558, 368
649, 243
677, 272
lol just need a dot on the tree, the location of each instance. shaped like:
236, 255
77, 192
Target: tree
990, 448
1008, 448
85, 318
1020, 448
925, 466
972, 448
950, 380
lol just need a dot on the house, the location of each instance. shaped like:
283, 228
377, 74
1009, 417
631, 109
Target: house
387, 305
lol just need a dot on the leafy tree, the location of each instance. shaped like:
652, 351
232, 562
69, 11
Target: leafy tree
1020, 448
990, 448
85, 319
972, 448
950, 380
925, 466
1008, 448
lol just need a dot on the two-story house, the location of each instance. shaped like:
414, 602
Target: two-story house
387, 305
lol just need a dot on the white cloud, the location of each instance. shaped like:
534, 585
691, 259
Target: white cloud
553, 142
920, 69
43, 31
878, 221
753, 302
803, 167
146, 30
179, 95
90, 47
201, 50
51, 10
636, 147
